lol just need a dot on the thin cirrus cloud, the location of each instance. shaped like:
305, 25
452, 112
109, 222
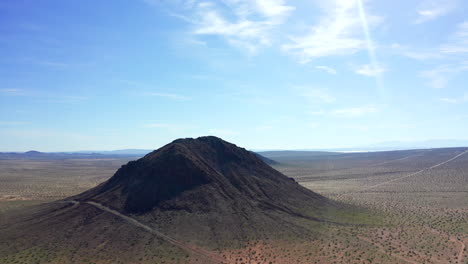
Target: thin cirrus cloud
417, 54
326, 69
456, 48
459, 100
459, 41
456, 45
339, 32
439, 77
369, 70
242, 23
343, 28
431, 9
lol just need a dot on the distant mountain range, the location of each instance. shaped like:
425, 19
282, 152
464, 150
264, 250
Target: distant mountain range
36, 155
383, 146
400, 145
117, 152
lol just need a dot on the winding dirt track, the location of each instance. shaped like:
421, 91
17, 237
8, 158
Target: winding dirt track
198, 251
406, 176
389, 161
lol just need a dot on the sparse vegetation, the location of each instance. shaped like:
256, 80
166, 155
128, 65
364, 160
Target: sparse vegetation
425, 214
416, 219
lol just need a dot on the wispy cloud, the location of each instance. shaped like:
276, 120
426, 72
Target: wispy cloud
417, 54
455, 46
439, 77
432, 9
455, 49
462, 99
339, 32
194, 41
243, 23
56, 64
355, 111
375, 67
459, 41
326, 69
369, 70
172, 96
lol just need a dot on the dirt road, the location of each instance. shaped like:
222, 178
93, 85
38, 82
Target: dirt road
406, 176
191, 248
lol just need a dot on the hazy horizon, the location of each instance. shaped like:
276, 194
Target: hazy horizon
379, 146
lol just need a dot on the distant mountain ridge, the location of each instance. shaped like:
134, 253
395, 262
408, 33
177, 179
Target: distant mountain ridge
117, 152
36, 155
402, 145
382, 146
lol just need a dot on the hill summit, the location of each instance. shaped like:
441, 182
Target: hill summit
206, 174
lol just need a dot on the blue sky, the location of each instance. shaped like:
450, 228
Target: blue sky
264, 74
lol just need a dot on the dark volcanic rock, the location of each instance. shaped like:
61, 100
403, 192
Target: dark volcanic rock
201, 175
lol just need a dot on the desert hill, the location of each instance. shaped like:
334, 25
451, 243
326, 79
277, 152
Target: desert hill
203, 192
200, 175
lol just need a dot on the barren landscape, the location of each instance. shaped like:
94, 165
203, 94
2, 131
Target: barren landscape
418, 200
421, 193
